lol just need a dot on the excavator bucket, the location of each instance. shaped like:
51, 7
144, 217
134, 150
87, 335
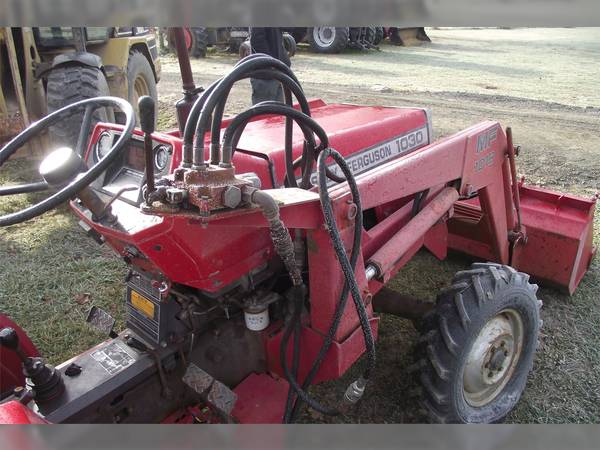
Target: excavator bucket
408, 36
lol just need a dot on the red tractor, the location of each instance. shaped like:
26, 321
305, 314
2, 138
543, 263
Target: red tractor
258, 268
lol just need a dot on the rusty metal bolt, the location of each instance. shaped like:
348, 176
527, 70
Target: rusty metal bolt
232, 196
352, 211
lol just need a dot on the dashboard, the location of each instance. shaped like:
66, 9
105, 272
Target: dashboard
126, 175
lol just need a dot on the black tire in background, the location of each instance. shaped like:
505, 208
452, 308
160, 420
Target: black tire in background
199, 42
477, 347
370, 35
70, 84
140, 79
379, 35
299, 33
328, 39
289, 44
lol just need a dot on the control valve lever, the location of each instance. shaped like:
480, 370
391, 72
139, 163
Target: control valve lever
147, 119
43, 379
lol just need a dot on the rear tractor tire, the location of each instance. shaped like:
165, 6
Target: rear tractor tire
328, 39
478, 345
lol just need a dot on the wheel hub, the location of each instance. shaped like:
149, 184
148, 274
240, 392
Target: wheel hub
324, 35
493, 358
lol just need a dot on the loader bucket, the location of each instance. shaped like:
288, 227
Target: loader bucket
559, 229
408, 36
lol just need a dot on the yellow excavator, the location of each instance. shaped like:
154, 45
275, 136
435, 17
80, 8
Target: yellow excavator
46, 68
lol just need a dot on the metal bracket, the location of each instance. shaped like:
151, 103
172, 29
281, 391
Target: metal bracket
215, 393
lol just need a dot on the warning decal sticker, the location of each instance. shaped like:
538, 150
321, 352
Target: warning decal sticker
113, 358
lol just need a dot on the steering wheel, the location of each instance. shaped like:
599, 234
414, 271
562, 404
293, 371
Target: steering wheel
63, 167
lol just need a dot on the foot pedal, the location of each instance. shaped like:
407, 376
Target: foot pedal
212, 391
102, 321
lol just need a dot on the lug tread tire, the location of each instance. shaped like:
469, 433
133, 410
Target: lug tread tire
475, 297
379, 35
199, 42
70, 84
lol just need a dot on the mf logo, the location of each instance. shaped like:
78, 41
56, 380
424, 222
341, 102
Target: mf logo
485, 139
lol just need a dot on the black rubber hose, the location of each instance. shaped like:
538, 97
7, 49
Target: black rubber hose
290, 86
308, 151
190, 125
348, 267
284, 79
289, 404
258, 62
340, 307
271, 109
418, 201
339, 248
297, 297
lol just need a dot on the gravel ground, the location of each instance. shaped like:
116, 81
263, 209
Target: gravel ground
542, 82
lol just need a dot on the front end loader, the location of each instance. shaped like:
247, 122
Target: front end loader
257, 266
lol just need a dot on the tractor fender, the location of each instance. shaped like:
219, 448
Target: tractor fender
11, 373
15, 413
83, 58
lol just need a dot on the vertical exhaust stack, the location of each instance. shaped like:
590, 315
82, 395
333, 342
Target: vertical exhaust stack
190, 92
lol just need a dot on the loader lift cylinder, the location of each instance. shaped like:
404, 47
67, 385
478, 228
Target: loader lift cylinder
387, 256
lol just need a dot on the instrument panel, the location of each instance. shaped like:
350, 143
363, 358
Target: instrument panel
126, 176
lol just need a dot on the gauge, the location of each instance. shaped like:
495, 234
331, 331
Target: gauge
161, 157
104, 144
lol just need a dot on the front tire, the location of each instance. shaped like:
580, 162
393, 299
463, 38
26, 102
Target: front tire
70, 84
478, 346
140, 79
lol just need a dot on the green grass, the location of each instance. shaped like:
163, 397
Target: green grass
47, 262
44, 265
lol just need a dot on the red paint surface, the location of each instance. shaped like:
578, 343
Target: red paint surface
11, 371
14, 413
209, 254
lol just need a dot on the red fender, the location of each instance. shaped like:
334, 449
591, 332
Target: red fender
11, 373
14, 413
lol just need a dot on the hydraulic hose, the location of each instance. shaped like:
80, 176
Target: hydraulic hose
249, 65
290, 86
307, 153
190, 125
284, 79
339, 248
350, 285
270, 109
282, 241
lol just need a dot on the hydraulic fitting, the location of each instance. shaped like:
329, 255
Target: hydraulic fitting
355, 391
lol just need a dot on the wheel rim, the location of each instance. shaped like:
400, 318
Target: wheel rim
324, 36
493, 358
140, 88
